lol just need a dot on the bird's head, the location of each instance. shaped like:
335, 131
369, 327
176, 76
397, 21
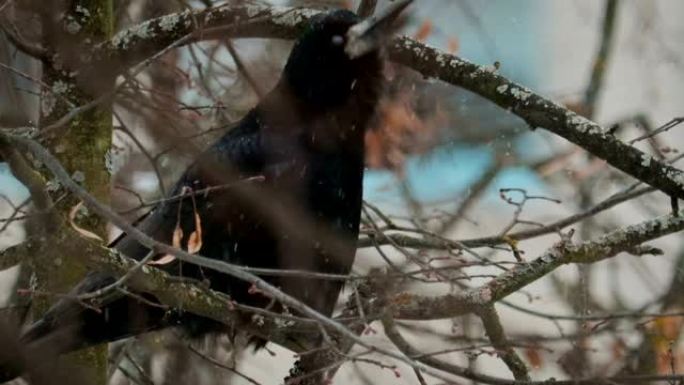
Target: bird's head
336, 50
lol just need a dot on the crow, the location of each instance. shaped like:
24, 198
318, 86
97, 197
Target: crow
281, 190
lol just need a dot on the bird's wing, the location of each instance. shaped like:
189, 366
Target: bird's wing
68, 325
234, 159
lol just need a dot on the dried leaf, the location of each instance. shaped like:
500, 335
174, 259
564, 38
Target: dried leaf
398, 131
81, 230
176, 242
402, 298
668, 327
618, 349
164, 260
453, 45
665, 332
511, 241
424, 31
534, 357
577, 106
177, 236
253, 289
195, 239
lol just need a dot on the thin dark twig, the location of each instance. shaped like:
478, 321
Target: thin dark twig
123, 128
15, 215
218, 364
494, 329
602, 57
13, 35
242, 69
206, 190
366, 8
665, 127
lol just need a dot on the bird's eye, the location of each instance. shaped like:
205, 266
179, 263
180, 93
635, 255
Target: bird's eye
337, 40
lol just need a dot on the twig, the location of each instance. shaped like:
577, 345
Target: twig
15, 215
26, 175
182, 195
3, 6
665, 127
538, 111
406, 348
474, 193
602, 57
495, 332
406, 241
15, 255
242, 69
230, 269
607, 246
21, 44
284, 22
218, 364
123, 128
366, 8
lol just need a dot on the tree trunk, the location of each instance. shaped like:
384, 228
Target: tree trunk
82, 145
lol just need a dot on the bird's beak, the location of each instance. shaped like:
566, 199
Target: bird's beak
370, 33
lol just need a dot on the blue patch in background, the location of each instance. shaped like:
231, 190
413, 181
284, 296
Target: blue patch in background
446, 174
10, 187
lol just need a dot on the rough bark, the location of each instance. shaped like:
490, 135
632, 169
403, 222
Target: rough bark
82, 146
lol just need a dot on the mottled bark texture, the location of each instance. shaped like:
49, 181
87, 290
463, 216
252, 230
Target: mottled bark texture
69, 29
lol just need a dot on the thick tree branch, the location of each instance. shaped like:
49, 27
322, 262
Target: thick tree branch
625, 239
21, 44
188, 295
143, 40
607, 246
538, 111
26, 175
148, 39
15, 255
52, 164
416, 357
213, 305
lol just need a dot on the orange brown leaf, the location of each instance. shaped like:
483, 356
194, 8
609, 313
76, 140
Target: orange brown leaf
424, 31
72, 221
195, 239
534, 357
176, 242
453, 45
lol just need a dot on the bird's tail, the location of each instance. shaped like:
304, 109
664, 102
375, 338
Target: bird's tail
72, 325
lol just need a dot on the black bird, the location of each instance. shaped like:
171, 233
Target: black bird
305, 141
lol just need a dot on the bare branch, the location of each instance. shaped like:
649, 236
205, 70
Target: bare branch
21, 44
602, 57
147, 38
538, 111
14, 255
607, 246
25, 174
52, 164
495, 332
416, 357
443, 243
366, 8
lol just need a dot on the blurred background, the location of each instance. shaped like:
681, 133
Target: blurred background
438, 159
